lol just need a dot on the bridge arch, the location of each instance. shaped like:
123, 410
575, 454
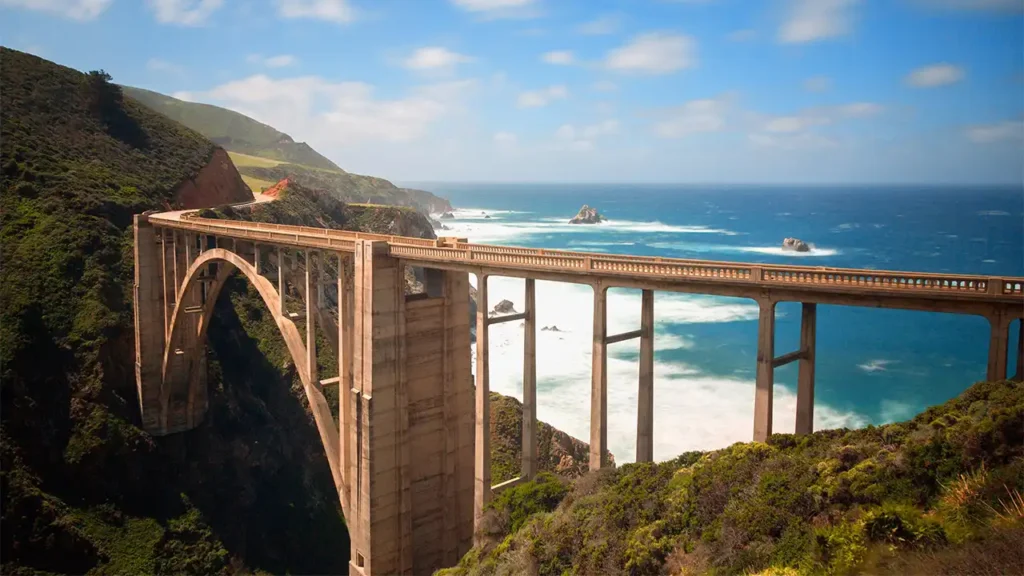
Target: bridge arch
190, 339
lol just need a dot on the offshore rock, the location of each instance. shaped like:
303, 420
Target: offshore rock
587, 215
796, 245
505, 307
447, 216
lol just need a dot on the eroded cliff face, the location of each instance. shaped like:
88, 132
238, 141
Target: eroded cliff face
557, 451
217, 183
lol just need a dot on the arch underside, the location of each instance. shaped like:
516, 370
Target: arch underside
184, 366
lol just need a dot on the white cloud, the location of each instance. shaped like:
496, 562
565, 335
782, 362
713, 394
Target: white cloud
607, 24
792, 141
558, 57
569, 137
73, 9
498, 8
695, 116
802, 129
279, 61
605, 86
543, 97
817, 84
435, 58
505, 138
1000, 131
184, 12
653, 53
338, 113
741, 35
935, 75
812, 20
337, 11
158, 65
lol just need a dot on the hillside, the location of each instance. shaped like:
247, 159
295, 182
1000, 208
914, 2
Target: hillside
83, 488
939, 494
233, 131
264, 156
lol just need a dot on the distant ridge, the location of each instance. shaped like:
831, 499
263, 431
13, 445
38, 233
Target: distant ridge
234, 131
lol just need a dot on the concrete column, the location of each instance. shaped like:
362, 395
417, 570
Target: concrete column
645, 394
805, 376
382, 526
166, 278
280, 281
1019, 376
997, 346
344, 380
482, 458
599, 382
529, 462
149, 323
312, 276
256, 258
460, 435
763, 395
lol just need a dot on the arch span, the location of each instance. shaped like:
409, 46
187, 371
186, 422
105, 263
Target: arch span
187, 341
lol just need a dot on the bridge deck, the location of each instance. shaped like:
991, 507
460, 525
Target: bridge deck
877, 288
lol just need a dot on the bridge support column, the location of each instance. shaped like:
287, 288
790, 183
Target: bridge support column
149, 322
645, 393
381, 523
1019, 376
312, 302
482, 457
599, 382
529, 459
998, 345
763, 395
805, 375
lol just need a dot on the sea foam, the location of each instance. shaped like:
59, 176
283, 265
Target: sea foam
692, 410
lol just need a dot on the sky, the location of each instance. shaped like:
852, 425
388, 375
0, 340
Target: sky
695, 91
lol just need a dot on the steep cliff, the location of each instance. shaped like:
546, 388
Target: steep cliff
218, 182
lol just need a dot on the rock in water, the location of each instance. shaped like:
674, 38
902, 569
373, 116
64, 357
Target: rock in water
447, 215
504, 307
587, 215
796, 245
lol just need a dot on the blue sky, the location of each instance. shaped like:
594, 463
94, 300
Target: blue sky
745, 91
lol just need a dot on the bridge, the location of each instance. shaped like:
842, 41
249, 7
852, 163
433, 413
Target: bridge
409, 448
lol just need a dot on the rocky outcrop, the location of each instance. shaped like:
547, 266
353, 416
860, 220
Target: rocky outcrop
505, 307
216, 184
557, 451
796, 245
587, 215
551, 328
447, 216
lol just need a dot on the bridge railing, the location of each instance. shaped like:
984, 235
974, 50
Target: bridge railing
457, 250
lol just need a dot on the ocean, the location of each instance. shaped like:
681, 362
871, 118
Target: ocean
873, 366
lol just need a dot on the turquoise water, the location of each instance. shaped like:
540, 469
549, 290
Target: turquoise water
873, 365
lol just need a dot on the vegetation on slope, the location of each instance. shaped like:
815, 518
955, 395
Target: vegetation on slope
84, 489
232, 130
350, 188
268, 155
939, 494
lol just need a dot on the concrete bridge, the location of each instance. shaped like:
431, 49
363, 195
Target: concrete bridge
409, 448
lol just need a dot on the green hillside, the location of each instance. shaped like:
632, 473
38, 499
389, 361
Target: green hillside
939, 494
233, 131
264, 156
83, 488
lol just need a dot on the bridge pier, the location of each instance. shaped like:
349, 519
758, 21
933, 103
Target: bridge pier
805, 374
599, 382
1019, 376
482, 454
645, 392
765, 385
998, 346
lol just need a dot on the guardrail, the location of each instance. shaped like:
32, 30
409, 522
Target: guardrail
655, 268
